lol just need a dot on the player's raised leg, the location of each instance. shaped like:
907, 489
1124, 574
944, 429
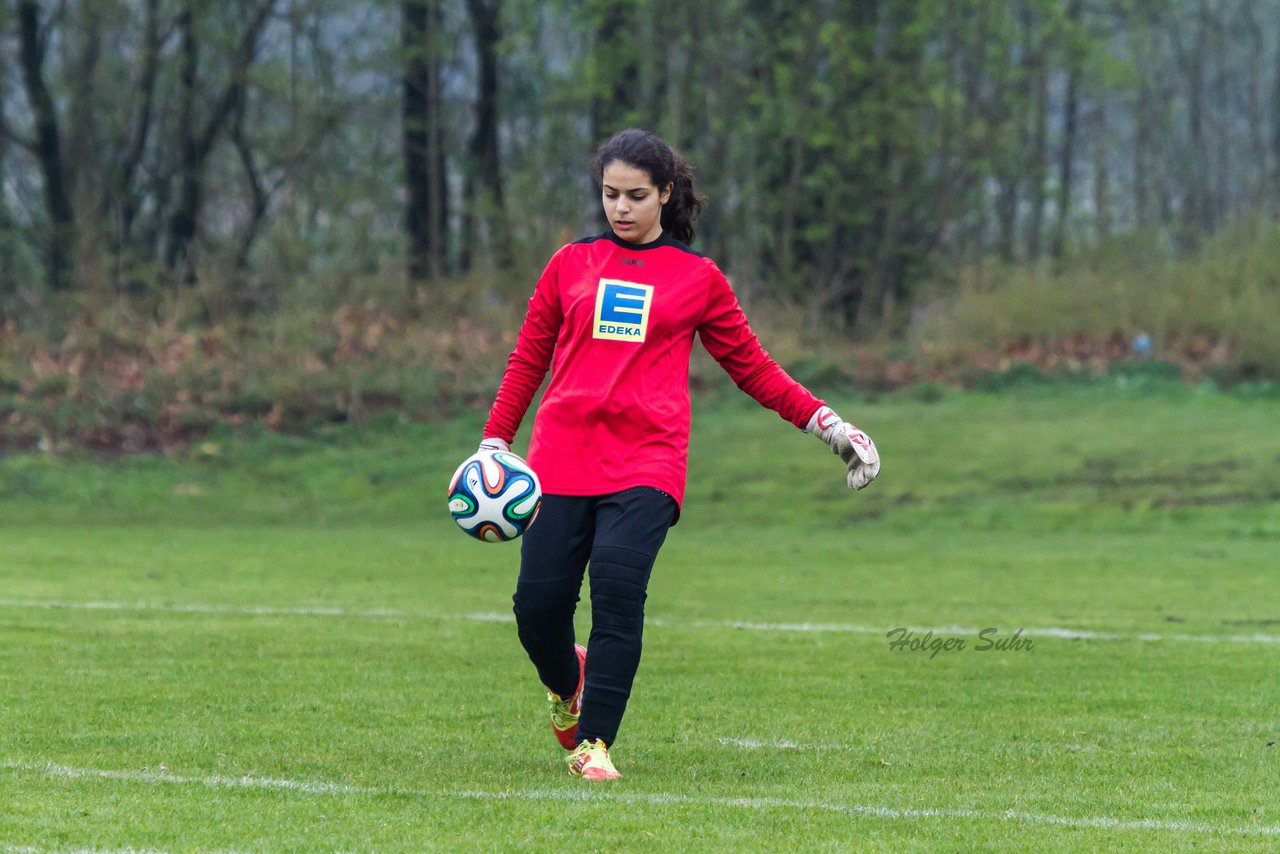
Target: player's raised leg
566, 710
553, 557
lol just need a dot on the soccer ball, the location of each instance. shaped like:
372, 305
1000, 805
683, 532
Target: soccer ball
494, 496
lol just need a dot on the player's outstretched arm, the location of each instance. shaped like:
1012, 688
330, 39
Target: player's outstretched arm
849, 443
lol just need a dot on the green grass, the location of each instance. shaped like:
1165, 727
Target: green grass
278, 644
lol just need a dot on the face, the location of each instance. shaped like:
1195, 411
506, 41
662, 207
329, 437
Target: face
632, 202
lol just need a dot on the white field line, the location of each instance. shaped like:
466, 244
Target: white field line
972, 631
215, 781
756, 744
653, 799
499, 617
22, 849
759, 804
199, 608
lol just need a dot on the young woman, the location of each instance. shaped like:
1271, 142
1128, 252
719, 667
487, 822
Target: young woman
613, 317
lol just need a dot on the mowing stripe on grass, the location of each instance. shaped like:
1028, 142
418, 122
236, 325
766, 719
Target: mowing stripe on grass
1056, 632
592, 794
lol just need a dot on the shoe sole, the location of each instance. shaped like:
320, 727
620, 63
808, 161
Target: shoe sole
595, 777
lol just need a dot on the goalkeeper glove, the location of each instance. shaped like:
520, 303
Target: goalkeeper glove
849, 443
492, 443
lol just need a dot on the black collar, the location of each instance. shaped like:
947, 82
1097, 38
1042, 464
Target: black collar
659, 241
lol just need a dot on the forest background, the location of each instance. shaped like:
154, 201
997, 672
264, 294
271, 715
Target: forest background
284, 213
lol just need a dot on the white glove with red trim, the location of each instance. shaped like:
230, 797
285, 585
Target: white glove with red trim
492, 443
849, 443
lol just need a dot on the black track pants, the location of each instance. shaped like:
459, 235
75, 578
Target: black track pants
618, 535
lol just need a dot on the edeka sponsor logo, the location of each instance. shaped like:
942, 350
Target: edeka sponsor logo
622, 311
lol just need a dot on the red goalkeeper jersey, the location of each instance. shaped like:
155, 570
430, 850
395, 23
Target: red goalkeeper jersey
615, 323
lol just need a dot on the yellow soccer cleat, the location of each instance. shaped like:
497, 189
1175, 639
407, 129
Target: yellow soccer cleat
591, 761
565, 711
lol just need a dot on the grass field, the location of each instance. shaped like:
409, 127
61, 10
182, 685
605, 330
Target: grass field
278, 644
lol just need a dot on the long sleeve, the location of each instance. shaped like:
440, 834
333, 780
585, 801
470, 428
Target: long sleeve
531, 358
725, 333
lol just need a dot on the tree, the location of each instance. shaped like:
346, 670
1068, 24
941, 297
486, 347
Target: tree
615, 65
483, 193
1036, 155
1070, 125
125, 199
47, 147
422, 119
848, 147
1275, 140
197, 135
8, 230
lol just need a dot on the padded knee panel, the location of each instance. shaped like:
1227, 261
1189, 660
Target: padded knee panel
547, 602
619, 578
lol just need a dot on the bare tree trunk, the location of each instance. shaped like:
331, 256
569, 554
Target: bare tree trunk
1070, 120
259, 195
83, 144
883, 281
679, 56
975, 224
1141, 152
125, 196
182, 226
197, 142
617, 61
484, 194
1224, 123
1258, 176
422, 138
8, 235
47, 149
1011, 109
944, 197
1274, 182
1196, 208
1038, 157
1101, 174
797, 150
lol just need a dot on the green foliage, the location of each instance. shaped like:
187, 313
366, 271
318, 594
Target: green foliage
144, 374
1211, 312
115, 379
848, 149
1017, 376
925, 392
855, 154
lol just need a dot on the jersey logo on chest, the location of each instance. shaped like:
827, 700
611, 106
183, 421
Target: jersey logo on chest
622, 311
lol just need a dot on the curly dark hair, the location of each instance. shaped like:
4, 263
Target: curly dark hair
650, 153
